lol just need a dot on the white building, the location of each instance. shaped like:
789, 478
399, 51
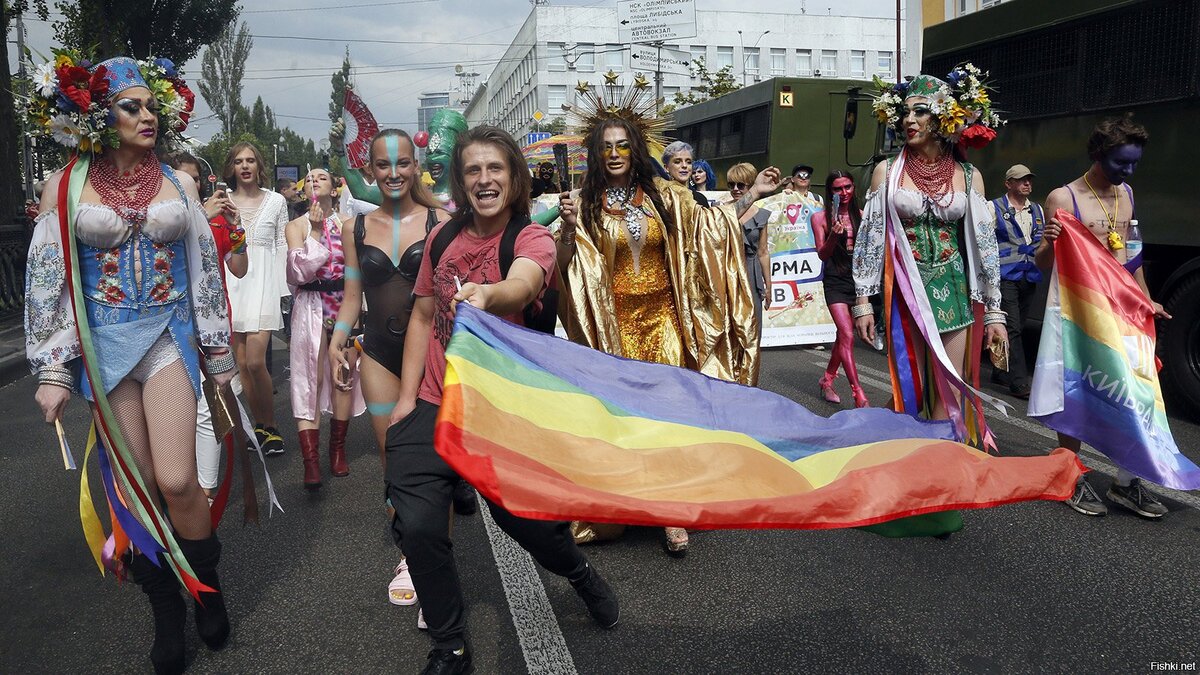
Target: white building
559, 46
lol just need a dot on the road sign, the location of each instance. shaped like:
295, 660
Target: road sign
538, 116
643, 21
786, 98
535, 136
645, 58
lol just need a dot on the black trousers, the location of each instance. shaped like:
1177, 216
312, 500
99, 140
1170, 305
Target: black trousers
420, 485
1015, 297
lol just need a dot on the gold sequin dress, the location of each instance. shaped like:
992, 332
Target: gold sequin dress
646, 316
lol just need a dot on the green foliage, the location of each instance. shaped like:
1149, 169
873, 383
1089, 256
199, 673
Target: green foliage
221, 72
340, 81
176, 30
556, 126
712, 84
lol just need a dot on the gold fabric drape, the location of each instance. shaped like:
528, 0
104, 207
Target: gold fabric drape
705, 260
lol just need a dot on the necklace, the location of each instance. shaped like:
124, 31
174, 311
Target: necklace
617, 202
128, 193
935, 180
1115, 242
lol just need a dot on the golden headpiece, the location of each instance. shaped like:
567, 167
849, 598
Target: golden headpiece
634, 104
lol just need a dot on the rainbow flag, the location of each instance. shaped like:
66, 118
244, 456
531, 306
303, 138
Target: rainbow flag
1097, 376
552, 430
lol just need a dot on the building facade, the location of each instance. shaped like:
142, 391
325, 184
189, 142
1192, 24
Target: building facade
934, 12
557, 47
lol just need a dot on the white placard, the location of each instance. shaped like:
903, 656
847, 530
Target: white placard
644, 58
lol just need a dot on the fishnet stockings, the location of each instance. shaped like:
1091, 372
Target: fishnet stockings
158, 421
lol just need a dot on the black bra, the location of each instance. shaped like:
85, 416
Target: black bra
376, 266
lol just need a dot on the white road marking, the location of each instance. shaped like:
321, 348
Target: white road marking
542, 641
1090, 457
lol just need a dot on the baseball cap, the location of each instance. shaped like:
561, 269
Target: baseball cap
802, 167
1018, 171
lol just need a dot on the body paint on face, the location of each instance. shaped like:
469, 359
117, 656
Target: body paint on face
1118, 164
392, 143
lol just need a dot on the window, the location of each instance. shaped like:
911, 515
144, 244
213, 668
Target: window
778, 62
554, 56
614, 58
828, 63
585, 54
804, 62
885, 63
669, 93
556, 96
858, 63
750, 54
724, 57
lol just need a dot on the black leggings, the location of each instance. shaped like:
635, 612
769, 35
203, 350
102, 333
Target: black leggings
420, 485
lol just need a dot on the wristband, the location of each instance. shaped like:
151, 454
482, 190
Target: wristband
862, 310
352, 273
342, 326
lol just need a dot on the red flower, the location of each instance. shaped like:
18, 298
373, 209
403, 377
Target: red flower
162, 266
110, 268
75, 83
976, 136
916, 255
99, 84
946, 254
944, 235
189, 99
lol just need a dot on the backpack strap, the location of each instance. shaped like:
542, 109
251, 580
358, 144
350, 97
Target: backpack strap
430, 221
438, 245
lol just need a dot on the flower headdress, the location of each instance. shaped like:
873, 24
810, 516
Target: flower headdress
70, 101
634, 104
961, 103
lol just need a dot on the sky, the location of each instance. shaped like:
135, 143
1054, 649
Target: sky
398, 50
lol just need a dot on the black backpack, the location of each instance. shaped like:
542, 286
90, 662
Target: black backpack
543, 321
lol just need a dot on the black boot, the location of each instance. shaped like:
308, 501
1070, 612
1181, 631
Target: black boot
170, 613
212, 623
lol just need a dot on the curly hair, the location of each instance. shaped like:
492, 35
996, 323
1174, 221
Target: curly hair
1115, 132
595, 181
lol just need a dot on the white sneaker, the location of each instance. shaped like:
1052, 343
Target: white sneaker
421, 625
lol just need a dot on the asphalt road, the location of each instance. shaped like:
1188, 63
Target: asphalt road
1025, 588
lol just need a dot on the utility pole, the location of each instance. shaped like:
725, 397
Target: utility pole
658, 78
26, 159
899, 62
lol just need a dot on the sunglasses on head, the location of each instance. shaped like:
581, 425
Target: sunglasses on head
739, 186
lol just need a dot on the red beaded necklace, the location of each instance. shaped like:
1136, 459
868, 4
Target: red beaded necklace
935, 179
128, 193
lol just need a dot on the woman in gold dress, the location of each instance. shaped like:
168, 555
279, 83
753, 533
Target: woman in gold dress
646, 273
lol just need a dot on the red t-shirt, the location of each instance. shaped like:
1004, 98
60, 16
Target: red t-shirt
477, 260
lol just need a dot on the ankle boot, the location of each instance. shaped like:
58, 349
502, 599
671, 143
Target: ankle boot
310, 443
170, 613
337, 448
212, 622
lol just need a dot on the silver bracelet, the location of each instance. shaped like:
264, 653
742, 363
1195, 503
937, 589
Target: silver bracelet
57, 375
567, 238
222, 363
862, 310
994, 316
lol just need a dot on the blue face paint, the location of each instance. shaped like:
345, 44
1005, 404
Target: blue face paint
1120, 163
392, 143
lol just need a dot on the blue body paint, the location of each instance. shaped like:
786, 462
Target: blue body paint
392, 143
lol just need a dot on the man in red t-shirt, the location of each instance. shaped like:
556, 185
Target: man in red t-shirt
488, 177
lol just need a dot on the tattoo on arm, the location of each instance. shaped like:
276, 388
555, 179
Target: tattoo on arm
744, 204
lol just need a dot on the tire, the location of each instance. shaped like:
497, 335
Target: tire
1179, 339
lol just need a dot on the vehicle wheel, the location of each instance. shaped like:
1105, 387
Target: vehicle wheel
1180, 342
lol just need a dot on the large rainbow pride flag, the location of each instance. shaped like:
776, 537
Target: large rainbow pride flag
552, 430
1097, 376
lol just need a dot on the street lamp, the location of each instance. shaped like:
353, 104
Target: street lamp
743, 47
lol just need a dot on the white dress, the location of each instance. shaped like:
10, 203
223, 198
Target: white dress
255, 297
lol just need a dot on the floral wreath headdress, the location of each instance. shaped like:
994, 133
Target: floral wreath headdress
634, 104
961, 103
70, 101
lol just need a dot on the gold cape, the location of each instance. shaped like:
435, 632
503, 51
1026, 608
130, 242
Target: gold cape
706, 261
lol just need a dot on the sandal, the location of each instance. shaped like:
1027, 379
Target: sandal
400, 590
675, 541
826, 385
860, 398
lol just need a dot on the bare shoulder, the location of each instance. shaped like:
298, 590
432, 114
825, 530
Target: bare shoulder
50, 192
1058, 198
442, 215
879, 175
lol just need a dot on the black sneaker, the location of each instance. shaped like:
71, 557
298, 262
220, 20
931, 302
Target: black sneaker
599, 597
273, 445
465, 502
449, 662
1086, 501
260, 435
1137, 499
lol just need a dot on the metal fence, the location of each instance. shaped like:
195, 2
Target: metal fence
14, 247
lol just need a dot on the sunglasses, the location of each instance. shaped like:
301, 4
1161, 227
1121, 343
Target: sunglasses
739, 186
801, 176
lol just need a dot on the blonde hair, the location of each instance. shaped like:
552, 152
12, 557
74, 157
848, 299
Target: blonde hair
743, 172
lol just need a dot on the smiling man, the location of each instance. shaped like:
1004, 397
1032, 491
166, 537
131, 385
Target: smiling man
489, 181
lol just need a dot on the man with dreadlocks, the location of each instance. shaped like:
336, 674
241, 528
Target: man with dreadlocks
647, 274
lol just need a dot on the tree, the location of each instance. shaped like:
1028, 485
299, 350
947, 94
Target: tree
337, 98
221, 72
176, 30
11, 192
556, 126
712, 84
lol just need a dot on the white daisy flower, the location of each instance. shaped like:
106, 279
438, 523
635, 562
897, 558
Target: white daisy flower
940, 101
45, 79
65, 131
